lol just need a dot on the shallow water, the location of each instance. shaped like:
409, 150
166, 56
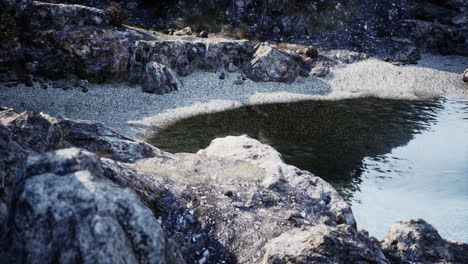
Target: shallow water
390, 159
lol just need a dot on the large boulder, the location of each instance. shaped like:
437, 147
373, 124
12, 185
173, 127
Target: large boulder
64, 210
270, 64
416, 241
325, 245
159, 79
234, 187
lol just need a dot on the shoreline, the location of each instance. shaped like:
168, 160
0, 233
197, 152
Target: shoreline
129, 111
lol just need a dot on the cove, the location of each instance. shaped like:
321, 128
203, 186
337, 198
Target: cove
391, 159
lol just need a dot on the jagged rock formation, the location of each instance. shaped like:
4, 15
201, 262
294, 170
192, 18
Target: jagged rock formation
185, 56
235, 201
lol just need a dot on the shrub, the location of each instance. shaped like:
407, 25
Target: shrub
115, 13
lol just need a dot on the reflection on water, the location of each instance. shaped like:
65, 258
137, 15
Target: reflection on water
377, 153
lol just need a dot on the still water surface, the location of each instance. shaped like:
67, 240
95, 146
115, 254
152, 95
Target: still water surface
390, 159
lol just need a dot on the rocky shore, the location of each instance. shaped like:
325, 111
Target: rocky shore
74, 190
114, 199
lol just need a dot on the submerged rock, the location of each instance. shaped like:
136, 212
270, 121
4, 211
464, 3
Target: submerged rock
416, 241
159, 79
270, 64
325, 245
64, 210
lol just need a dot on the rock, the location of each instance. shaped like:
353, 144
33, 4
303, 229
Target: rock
436, 37
239, 81
65, 210
74, 39
31, 67
186, 56
203, 34
103, 141
304, 73
29, 82
416, 241
465, 76
84, 90
33, 131
62, 17
183, 32
265, 195
319, 71
159, 79
222, 76
231, 67
323, 244
271, 64
310, 52
83, 84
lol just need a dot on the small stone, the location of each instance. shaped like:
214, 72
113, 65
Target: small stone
231, 67
311, 52
83, 83
239, 80
320, 71
465, 76
203, 34
304, 73
84, 90
386, 59
184, 31
29, 81
244, 78
222, 76
229, 193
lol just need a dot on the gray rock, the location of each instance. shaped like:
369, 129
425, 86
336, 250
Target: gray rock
325, 245
183, 32
64, 210
319, 71
310, 52
203, 34
159, 79
186, 56
33, 131
272, 64
106, 143
416, 241
465, 76
239, 81
62, 17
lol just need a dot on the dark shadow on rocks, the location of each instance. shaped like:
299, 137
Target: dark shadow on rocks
328, 138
